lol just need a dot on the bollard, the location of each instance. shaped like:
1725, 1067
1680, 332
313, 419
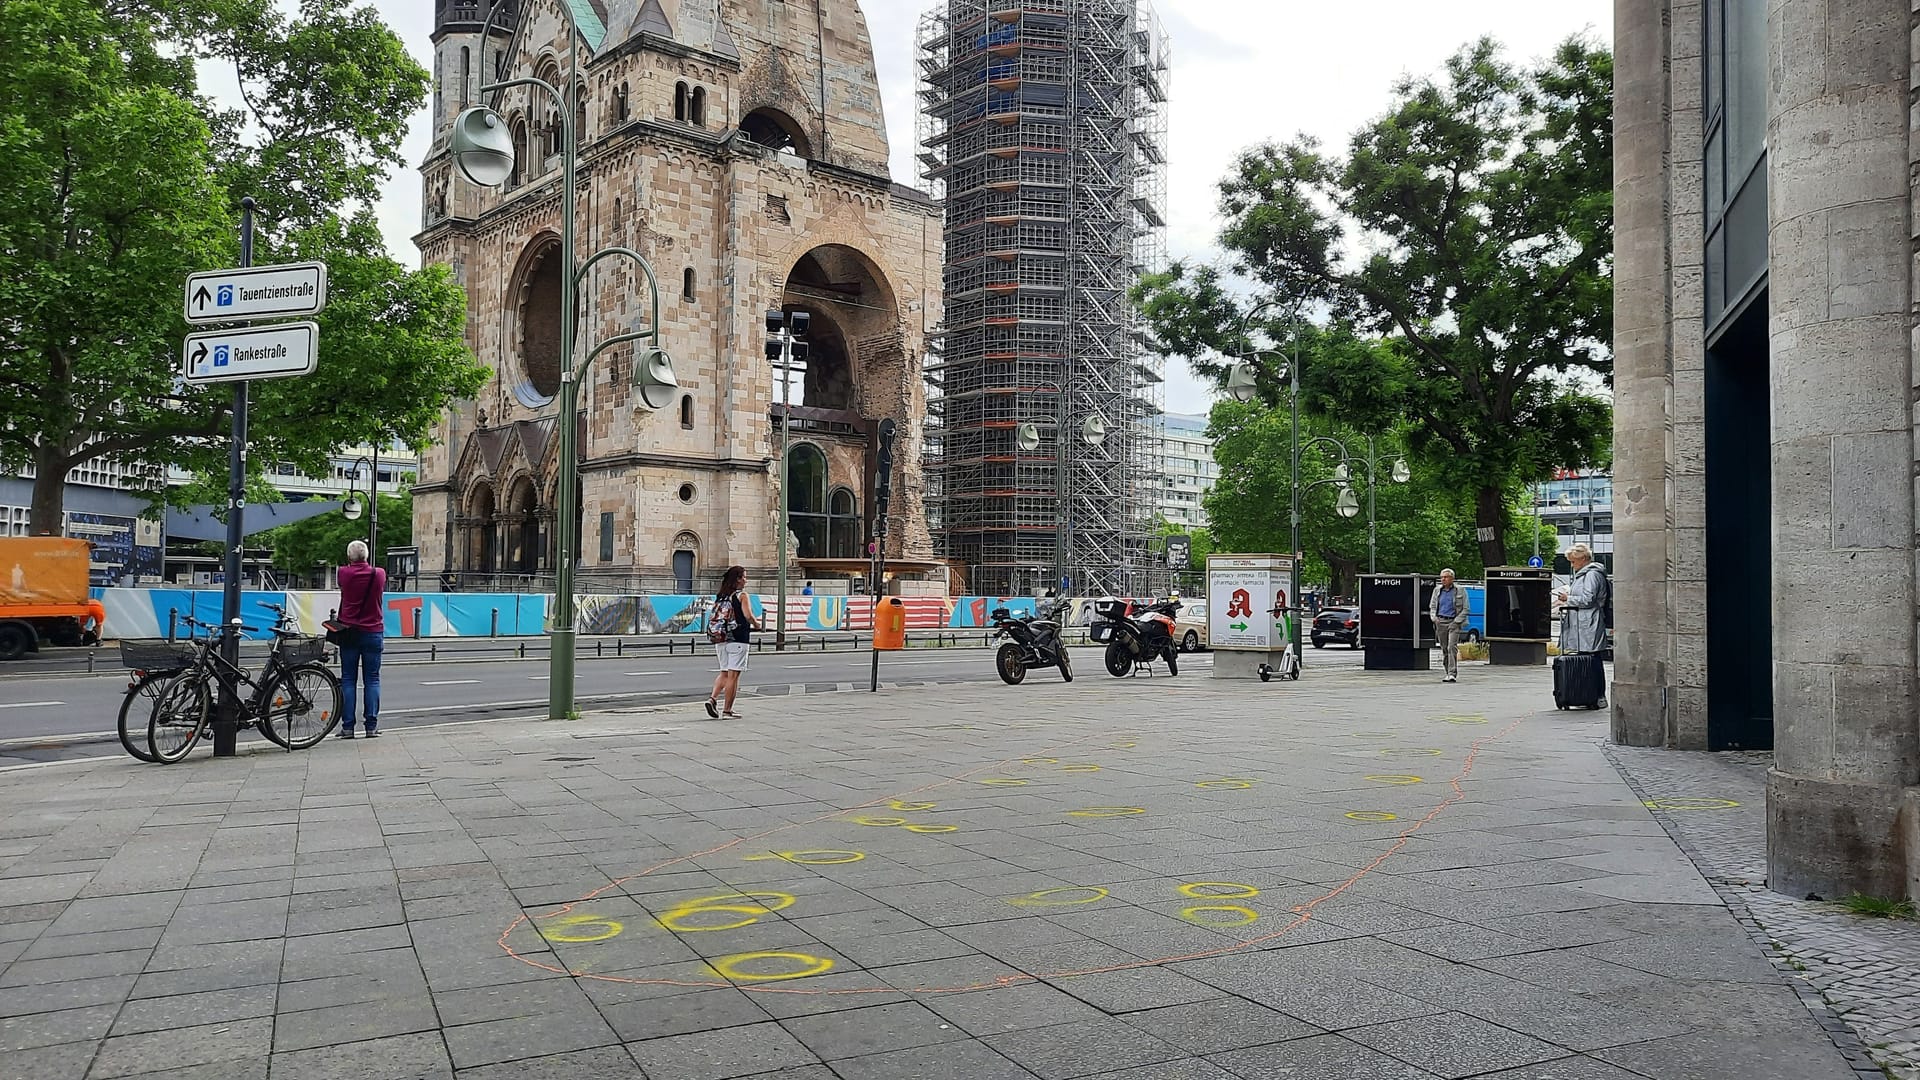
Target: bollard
173, 622
495, 632
522, 649
596, 647
433, 652
619, 647
90, 655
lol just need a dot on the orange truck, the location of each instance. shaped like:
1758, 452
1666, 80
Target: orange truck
43, 595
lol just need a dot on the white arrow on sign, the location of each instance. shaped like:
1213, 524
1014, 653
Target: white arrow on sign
259, 352
256, 292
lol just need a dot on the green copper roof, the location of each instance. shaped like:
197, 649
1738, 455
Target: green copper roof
592, 30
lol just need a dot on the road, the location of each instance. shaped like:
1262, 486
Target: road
58, 716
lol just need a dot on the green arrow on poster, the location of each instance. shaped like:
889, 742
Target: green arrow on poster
1238, 625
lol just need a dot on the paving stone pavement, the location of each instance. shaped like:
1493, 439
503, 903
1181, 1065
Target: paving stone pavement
1865, 972
1361, 876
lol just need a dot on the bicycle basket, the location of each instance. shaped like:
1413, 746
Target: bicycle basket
304, 650
156, 655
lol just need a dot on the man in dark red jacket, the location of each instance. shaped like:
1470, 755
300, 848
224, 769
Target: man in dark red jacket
363, 607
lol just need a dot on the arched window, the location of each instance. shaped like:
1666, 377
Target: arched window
466, 75
680, 102
580, 115
620, 104
843, 525
776, 130
616, 212
518, 174
686, 411
686, 284
697, 111
553, 135
807, 505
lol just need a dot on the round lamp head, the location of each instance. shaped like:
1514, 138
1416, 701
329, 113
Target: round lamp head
353, 507
654, 381
482, 148
1348, 504
1243, 383
1340, 472
1026, 438
1401, 474
1093, 430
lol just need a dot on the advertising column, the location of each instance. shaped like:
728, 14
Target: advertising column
1242, 590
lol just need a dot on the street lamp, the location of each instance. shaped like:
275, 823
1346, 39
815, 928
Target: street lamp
786, 347
1347, 505
351, 508
1026, 439
482, 151
1243, 384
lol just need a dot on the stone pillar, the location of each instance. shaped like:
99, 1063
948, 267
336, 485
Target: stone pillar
1843, 447
1641, 270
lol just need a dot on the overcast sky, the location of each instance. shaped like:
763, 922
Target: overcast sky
1244, 71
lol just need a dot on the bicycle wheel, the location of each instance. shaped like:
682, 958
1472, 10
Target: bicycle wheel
302, 705
179, 716
145, 690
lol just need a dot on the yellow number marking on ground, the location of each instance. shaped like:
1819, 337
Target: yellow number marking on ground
1218, 890
1056, 897
572, 929
735, 967
1218, 916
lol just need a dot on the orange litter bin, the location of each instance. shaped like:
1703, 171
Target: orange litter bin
890, 625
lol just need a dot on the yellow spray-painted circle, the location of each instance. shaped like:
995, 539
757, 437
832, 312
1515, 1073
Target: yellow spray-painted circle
1219, 916
1407, 751
1007, 781
1396, 778
1373, 815
1227, 783
880, 822
1370, 735
932, 828
909, 806
1463, 719
733, 967
1107, 811
1691, 804
811, 858
1066, 896
1123, 746
751, 905
572, 928
1039, 761
1080, 768
1218, 890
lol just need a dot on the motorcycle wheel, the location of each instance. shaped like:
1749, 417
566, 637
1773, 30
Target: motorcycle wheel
1012, 671
1173, 664
1119, 664
1066, 666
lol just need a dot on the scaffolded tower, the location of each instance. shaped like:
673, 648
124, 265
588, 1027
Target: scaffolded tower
1043, 124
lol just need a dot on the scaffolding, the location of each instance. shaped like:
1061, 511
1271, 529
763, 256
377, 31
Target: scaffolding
1043, 126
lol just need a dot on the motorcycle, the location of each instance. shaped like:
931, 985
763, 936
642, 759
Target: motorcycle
1036, 644
1133, 641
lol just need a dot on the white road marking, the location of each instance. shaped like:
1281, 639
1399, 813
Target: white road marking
539, 678
30, 704
636, 674
451, 682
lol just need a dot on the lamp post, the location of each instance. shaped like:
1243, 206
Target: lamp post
786, 345
1026, 438
351, 508
482, 151
1243, 385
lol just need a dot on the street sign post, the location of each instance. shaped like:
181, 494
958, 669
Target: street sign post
254, 352
256, 292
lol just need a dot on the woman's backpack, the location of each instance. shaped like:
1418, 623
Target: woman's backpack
720, 621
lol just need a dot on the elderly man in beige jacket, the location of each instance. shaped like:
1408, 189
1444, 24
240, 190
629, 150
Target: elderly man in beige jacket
1448, 607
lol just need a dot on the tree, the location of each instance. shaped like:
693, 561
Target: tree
117, 179
1422, 526
1461, 251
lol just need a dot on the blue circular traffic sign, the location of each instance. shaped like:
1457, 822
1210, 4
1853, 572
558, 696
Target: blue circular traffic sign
1536, 561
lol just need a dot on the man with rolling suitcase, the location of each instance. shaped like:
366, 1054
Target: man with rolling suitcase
1579, 680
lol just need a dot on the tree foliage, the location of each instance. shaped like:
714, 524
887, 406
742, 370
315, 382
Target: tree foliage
1459, 255
1422, 526
118, 178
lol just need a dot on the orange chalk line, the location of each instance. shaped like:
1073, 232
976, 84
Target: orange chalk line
1302, 913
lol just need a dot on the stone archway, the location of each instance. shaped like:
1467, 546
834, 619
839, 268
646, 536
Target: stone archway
525, 549
480, 543
534, 374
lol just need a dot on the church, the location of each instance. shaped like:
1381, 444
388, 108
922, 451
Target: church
739, 146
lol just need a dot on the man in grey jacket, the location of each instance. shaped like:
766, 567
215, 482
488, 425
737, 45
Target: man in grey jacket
1583, 604
1448, 608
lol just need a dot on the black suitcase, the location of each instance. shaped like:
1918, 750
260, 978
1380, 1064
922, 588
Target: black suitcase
1579, 682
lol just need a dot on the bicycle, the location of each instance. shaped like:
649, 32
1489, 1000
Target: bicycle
1289, 665
295, 704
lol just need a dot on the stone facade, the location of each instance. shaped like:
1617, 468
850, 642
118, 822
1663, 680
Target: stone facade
742, 152
1840, 383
